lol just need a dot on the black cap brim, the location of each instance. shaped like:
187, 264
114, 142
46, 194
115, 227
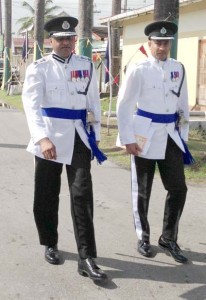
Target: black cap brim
162, 30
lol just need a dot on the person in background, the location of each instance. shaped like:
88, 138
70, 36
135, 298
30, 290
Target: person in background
155, 135
58, 91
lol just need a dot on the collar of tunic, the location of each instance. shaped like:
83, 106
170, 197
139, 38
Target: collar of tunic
61, 59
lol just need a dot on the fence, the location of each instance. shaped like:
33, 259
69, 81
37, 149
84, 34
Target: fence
21, 66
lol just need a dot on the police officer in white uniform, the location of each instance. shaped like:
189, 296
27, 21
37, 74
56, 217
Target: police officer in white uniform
59, 91
156, 134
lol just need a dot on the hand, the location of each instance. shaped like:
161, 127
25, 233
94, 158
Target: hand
133, 149
48, 149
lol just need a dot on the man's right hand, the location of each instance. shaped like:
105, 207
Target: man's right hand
133, 149
48, 149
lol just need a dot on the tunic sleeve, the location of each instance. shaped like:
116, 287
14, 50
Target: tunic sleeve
126, 104
32, 95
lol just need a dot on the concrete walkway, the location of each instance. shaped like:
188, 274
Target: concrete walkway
25, 275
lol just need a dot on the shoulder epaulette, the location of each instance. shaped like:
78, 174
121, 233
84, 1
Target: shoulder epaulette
178, 62
39, 61
82, 57
174, 60
141, 63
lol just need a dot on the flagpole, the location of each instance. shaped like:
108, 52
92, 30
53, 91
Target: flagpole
110, 77
25, 50
26, 45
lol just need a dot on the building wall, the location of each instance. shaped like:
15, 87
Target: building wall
188, 55
192, 28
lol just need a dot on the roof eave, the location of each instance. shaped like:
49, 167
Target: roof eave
126, 16
137, 12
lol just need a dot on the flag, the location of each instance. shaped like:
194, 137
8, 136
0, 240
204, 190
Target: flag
107, 64
116, 79
142, 49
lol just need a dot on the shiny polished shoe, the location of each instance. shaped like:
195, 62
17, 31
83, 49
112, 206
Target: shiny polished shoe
144, 248
52, 255
173, 249
88, 267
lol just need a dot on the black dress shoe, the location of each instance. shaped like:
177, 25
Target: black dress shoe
144, 248
173, 249
52, 255
88, 267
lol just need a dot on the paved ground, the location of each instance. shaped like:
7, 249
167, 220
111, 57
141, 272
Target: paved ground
25, 275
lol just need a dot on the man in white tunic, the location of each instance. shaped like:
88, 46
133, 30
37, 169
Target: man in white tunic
155, 134
59, 90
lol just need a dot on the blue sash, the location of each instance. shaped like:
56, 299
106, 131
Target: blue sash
169, 118
63, 113
158, 118
77, 114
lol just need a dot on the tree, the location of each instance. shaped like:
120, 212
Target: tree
7, 42
85, 27
39, 28
168, 10
27, 22
115, 47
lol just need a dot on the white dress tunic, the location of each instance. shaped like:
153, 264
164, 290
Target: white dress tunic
149, 86
54, 82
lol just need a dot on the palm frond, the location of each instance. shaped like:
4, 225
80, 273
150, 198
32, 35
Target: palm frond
48, 2
26, 22
28, 7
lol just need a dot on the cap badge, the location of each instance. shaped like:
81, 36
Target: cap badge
65, 25
163, 31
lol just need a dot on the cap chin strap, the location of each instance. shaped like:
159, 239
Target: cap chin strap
161, 38
63, 34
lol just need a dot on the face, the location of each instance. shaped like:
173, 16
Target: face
160, 48
63, 46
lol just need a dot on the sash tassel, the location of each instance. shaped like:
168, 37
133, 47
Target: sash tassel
187, 156
96, 152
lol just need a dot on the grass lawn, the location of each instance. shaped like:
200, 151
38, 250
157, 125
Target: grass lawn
14, 101
197, 141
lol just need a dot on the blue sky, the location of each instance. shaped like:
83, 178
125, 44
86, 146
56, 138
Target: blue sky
103, 8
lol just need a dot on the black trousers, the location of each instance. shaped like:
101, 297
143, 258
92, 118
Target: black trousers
46, 199
172, 175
